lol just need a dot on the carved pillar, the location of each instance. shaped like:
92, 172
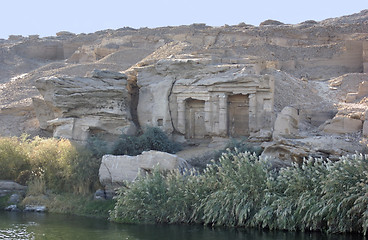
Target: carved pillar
207, 117
222, 129
253, 112
181, 116
365, 56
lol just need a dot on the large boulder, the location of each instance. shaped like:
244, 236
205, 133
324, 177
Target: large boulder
74, 107
286, 124
343, 125
115, 170
9, 187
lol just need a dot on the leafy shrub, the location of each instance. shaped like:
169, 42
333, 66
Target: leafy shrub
13, 159
36, 187
84, 167
153, 138
61, 165
97, 146
50, 160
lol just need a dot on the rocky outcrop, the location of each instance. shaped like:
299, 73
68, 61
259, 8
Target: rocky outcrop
74, 107
115, 170
9, 187
342, 125
295, 150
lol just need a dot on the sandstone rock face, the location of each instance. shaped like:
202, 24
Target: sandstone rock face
114, 170
74, 107
286, 124
342, 125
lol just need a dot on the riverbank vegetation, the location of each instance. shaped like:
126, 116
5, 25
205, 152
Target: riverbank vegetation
60, 175
239, 189
60, 165
243, 191
63, 175
68, 167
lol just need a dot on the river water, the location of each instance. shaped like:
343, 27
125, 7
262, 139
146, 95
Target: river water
55, 226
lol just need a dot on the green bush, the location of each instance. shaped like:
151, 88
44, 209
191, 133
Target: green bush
242, 181
153, 138
13, 159
345, 195
84, 167
50, 160
293, 196
241, 190
4, 202
97, 146
225, 194
62, 166
68, 203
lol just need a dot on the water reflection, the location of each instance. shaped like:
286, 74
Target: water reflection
53, 226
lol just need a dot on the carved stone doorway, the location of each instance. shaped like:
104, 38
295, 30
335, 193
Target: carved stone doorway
194, 119
238, 115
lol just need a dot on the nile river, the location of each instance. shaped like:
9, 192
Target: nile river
55, 226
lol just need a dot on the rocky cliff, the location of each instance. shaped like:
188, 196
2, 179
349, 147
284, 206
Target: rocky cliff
195, 82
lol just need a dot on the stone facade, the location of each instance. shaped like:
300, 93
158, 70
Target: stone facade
223, 107
197, 99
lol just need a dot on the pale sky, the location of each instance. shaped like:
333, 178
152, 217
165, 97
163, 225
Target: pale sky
46, 18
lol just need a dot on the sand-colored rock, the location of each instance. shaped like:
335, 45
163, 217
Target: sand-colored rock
365, 128
81, 106
115, 170
286, 123
295, 150
342, 125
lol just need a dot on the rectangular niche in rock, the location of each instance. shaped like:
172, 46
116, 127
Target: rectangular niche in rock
238, 115
194, 119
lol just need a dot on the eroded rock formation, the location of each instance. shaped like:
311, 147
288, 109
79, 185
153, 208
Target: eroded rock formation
75, 107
